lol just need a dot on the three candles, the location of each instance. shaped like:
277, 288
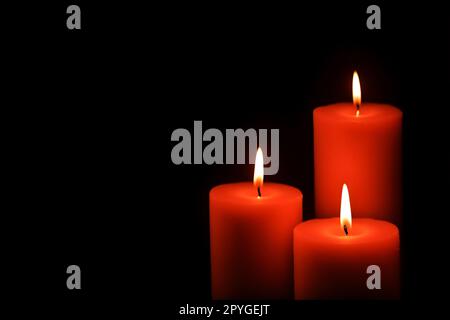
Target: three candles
259, 249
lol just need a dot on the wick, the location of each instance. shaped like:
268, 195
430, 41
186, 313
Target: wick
345, 230
358, 106
259, 191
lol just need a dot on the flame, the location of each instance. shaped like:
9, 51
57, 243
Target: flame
346, 211
258, 176
356, 92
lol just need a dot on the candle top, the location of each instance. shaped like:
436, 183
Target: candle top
246, 192
346, 111
363, 231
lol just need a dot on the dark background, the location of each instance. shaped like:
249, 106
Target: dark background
89, 115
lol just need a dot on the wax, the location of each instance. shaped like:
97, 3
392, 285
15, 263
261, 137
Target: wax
363, 151
252, 240
331, 265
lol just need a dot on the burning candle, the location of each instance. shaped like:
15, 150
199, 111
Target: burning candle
251, 229
335, 258
359, 144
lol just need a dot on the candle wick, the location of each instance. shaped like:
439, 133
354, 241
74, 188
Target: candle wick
345, 230
358, 106
259, 191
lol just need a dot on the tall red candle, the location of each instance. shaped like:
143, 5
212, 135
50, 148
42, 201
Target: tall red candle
252, 239
358, 144
329, 264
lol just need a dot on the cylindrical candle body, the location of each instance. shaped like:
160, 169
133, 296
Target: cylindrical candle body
252, 240
365, 153
330, 265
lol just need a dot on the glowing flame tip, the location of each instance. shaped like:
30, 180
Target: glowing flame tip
346, 212
258, 176
356, 86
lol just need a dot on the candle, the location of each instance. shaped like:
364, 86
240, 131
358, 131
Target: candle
336, 258
251, 229
358, 144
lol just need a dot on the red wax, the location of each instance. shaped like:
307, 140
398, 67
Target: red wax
252, 240
362, 151
330, 265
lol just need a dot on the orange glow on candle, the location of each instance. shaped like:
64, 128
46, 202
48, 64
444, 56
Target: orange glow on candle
356, 86
258, 176
346, 211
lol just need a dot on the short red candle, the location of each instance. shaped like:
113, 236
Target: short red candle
331, 265
363, 150
252, 240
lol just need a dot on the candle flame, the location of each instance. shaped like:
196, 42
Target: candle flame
258, 176
356, 92
346, 211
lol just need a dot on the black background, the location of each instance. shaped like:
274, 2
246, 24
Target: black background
87, 132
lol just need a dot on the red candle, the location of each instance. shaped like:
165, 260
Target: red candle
358, 144
252, 238
332, 257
